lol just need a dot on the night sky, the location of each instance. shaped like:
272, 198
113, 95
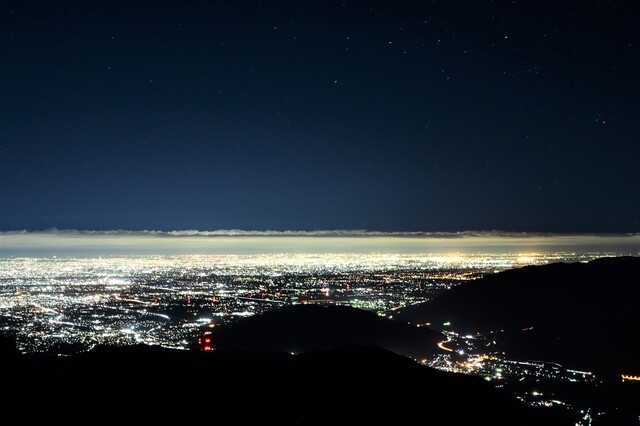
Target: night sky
396, 116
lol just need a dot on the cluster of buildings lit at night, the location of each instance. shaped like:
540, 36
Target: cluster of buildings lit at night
72, 304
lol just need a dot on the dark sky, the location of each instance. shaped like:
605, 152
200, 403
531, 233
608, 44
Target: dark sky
299, 115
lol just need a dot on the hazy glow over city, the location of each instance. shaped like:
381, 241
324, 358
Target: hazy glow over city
90, 243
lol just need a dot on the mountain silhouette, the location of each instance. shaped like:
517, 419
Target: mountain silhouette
311, 327
582, 315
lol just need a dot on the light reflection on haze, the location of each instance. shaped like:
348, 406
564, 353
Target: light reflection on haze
91, 243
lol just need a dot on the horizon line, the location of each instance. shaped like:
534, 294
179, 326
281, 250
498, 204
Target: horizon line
56, 242
494, 233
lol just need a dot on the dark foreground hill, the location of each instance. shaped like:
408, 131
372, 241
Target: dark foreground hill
311, 327
346, 385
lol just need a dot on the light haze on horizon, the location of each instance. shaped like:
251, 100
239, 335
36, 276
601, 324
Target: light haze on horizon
120, 242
